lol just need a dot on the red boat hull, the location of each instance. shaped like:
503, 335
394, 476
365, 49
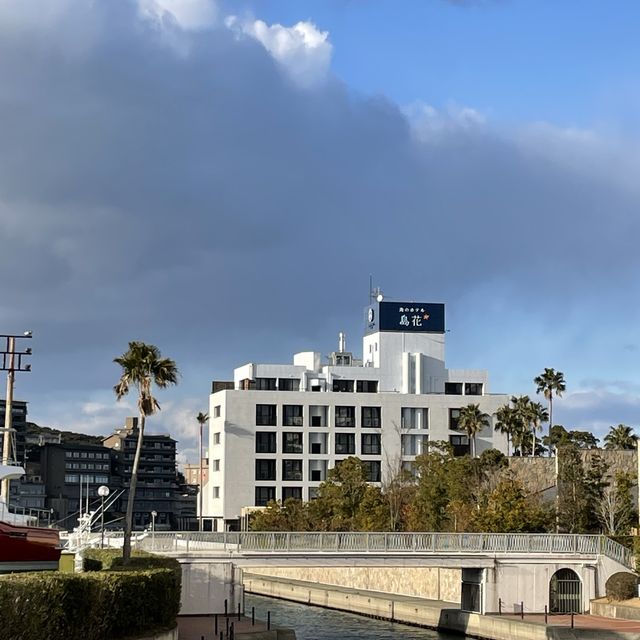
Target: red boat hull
28, 548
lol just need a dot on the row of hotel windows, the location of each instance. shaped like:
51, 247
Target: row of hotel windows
370, 417
292, 416
292, 471
91, 455
293, 384
73, 478
292, 442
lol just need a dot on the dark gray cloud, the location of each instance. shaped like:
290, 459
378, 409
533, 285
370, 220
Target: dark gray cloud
191, 194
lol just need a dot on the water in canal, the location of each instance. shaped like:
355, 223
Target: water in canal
316, 623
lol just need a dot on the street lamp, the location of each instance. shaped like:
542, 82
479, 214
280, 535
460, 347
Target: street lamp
11, 361
154, 513
103, 492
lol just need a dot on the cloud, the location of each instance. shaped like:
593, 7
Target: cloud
207, 204
303, 50
428, 123
187, 14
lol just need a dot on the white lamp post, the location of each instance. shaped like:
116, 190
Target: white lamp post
103, 492
154, 513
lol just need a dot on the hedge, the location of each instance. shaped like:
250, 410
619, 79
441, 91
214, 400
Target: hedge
621, 586
116, 602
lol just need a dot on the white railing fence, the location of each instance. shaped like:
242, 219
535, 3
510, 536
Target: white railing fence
420, 543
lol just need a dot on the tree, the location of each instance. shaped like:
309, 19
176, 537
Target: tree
142, 367
620, 437
429, 509
572, 499
508, 509
290, 515
508, 422
522, 418
472, 421
615, 509
550, 382
537, 415
340, 497
202, 419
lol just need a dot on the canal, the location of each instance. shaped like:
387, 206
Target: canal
315, 623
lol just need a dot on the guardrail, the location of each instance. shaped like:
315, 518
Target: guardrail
419, 543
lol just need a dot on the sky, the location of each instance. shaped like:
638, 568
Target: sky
221, 178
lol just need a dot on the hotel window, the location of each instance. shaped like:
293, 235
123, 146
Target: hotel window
216, 465
414, 418
71, 478
454, 418
345, 443
265, 442
102, 479
473, 388
292, 415
216, 492
216, 411
367, 386
266, 415
289, 384
265, 469
265, 384
292, 469
453, 388
370, 444
372, 470
292, 442
370, 417
343, 385
216, 438
345, 416
291, 492
264, 495
460, 445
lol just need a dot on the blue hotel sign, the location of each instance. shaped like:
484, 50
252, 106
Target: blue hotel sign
409, 317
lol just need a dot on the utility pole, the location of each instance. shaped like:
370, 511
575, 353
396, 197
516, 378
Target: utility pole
11, 361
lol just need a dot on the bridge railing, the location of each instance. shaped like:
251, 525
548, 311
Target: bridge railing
372, 542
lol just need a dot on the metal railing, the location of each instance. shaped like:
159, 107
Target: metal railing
419, 543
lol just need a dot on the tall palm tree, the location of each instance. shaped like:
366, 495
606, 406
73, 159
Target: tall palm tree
507, 422
522, 419
472, 421
202, 420
620, 437
550, 382
537, 415
142, 367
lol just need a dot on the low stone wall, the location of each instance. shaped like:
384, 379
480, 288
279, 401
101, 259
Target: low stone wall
432, 583
163, 635
608, 609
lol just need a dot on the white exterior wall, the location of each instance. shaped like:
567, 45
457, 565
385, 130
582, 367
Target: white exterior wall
236, 427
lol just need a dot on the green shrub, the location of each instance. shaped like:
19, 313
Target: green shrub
113, 603
622, 586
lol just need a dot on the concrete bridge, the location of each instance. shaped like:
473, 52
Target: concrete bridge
483, 572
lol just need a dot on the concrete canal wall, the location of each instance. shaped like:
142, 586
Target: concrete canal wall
432, 583
414, 610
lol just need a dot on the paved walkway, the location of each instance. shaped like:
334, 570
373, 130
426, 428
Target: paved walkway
203, 627
583, 621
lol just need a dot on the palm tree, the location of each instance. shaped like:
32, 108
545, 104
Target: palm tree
522, 419
537, 415
507, 422
472, 421
202, 420
620, 437
142, 367
550, 382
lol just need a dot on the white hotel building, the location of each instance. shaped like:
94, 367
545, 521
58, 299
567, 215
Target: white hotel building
277, 429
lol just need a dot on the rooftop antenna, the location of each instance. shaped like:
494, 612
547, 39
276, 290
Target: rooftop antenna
374, 294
